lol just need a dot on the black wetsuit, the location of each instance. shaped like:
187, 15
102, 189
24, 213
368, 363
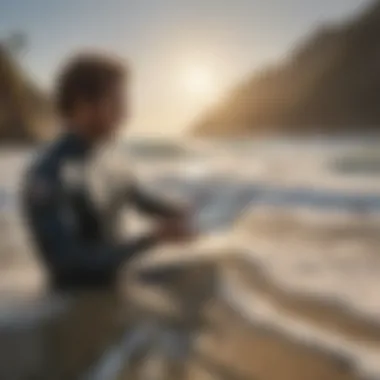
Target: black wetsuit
68, 231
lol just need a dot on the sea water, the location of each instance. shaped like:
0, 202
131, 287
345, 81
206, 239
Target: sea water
225, 182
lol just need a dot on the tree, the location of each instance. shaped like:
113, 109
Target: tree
15, 43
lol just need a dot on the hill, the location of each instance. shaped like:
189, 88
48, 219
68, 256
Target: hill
329, 84
24, 109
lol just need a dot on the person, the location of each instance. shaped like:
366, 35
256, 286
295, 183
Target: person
64, 222
68, 230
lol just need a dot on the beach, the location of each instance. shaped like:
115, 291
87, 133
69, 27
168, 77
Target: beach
295, 245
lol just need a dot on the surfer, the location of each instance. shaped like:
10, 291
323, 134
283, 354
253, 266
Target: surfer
70, 234
64, 222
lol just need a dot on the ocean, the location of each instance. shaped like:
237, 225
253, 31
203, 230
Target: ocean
304, 213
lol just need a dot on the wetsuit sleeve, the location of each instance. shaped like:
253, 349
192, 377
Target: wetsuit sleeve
55, 235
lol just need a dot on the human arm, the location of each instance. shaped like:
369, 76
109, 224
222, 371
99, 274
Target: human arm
62, 249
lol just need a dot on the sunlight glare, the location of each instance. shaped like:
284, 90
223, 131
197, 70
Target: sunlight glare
200, 82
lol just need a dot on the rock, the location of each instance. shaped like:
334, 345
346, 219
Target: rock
25, 112
330, 84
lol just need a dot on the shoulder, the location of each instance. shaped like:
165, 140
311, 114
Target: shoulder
42, 176
47, 162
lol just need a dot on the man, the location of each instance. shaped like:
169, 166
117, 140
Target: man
69, 232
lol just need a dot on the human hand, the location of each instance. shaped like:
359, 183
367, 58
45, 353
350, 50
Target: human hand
175, 230
185, 221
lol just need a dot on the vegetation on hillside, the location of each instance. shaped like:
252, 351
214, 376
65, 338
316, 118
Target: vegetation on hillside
24, 109
329, 84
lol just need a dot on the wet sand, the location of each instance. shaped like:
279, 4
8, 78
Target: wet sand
244, 352
324, 313
236, 348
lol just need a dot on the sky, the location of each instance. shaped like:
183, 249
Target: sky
184, 54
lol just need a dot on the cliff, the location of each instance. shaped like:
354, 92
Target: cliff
329, 84
24, 109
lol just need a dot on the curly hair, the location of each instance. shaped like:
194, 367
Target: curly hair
87, 77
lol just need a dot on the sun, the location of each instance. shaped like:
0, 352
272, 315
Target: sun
200, 82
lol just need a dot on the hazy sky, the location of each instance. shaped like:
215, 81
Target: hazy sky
184, 53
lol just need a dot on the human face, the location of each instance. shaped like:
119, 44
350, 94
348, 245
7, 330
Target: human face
107, 114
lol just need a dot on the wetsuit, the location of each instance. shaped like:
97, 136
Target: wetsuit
64, 223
